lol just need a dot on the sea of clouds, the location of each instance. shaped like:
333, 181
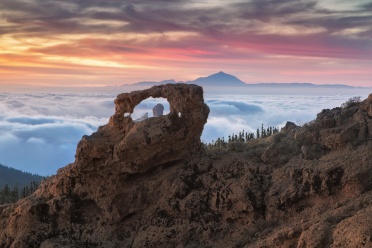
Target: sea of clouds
39, 132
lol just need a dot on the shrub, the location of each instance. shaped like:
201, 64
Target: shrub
236, 146
278, 137
236, 142
351, 102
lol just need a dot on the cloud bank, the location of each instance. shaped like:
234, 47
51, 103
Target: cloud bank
39, 132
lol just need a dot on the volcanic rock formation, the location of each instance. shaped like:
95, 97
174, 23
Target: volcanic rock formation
158, 110
152, 184
130, 147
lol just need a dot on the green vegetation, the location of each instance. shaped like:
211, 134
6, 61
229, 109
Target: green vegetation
10, 195
242, 137
12, 177
15, 184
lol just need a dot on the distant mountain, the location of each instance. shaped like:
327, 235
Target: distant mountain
300, 85
12, 176
152, 83
220, 79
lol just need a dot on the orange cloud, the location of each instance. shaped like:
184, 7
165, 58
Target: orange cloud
81, 43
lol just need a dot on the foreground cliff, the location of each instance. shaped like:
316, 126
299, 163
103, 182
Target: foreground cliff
152, 184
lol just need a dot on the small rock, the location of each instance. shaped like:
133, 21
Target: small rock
158, 110
369, 99
289, 126
370, 110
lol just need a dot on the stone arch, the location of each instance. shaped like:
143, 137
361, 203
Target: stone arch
161, 140
179, 99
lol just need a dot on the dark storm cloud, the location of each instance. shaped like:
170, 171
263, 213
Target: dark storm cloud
366, 6
35, 10
310, 14
162, 16
265, 10
137, 16
337, 23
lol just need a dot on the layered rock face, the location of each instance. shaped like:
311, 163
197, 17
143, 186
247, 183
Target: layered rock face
151, 184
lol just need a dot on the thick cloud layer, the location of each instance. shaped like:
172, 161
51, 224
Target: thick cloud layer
39, 132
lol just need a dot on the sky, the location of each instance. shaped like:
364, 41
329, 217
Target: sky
80, 43
39, 132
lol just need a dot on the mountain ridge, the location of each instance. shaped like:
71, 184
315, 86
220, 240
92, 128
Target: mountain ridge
222, 79
219, 79
11, 177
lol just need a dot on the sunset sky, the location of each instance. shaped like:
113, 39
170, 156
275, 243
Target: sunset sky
111, 42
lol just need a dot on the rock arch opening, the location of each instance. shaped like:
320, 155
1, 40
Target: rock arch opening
150, 107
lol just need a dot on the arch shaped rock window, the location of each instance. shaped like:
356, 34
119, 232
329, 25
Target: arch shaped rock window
150, 107
135, 147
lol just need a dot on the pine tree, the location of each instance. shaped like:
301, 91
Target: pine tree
15, 193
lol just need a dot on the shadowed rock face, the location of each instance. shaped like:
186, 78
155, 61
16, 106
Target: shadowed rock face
306, 186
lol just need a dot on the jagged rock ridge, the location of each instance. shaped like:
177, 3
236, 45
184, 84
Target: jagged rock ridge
306, 186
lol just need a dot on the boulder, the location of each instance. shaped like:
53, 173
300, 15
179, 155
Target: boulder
158, 110
370, 110
289, 126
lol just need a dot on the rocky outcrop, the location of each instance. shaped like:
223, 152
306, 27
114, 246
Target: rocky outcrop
331, 130
158, 110
303, 187
136, 147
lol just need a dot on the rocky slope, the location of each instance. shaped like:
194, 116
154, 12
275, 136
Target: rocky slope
152, 184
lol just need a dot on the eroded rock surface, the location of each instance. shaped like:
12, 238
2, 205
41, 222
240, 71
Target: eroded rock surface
136, 147
307, 186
